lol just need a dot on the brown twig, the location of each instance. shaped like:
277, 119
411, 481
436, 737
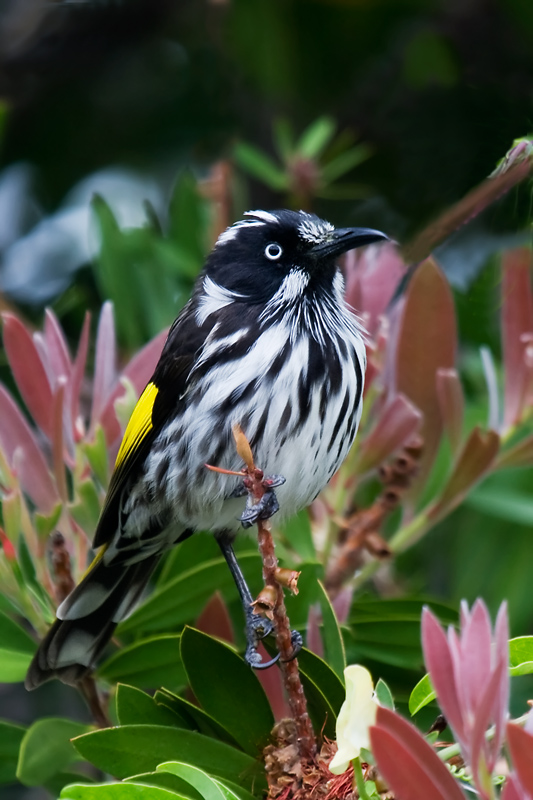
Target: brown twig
87, 687
466, 209
361, 531
256, 485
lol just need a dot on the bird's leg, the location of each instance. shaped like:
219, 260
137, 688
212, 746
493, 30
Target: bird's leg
264, 508
256, 627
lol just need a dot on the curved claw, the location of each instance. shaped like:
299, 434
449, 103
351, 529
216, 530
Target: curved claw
254, 659
297, 644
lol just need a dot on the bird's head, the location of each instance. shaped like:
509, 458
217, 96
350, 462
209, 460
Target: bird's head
281, 253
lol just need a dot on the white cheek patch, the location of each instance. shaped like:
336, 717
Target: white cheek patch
214, 298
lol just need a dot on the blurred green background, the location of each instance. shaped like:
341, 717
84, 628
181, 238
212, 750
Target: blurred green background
135, 101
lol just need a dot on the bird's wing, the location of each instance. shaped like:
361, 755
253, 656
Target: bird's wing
159, 400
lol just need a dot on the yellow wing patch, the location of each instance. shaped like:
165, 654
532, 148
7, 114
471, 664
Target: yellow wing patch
139, 425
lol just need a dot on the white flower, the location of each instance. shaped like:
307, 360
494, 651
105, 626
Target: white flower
357, 714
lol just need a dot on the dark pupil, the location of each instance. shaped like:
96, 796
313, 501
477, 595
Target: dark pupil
274, 250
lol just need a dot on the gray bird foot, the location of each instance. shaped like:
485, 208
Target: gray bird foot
256, 629
266, 507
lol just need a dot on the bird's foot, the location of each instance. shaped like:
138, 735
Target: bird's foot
256, 629
267, 506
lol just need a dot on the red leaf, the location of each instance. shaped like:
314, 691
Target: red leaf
372, 276
513, 791
451, 403
521, 746
426, 342
78, 371
397, 423
56, 346
476, 457
408, 763
29, 372
105, 374
517, 319
16, 437
139, 371
439, 664
215, 619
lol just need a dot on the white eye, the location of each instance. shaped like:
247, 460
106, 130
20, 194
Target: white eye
273, 251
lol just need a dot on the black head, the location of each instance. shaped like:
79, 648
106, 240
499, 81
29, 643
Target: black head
255, 255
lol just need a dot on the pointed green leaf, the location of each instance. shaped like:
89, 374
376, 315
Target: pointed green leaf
46, 749
331, 635
11, 736
148, 663
86, 508
316, 137
136, 707
521, 655
46, 523
97, 455
384, 695
166, 781
260, 166
323, 677
183, 598
194, 718
345, 162
227, 689
320, 710
132, 749
202, 782
118, 791
297, 532
421, 695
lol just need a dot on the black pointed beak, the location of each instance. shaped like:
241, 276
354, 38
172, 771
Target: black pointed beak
344, 239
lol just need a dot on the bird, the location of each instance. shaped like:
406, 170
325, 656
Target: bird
266, 342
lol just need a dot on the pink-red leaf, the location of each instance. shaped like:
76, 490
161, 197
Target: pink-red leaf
372, 276
476, 457
29, 372
138, 371
426, 342
517, 320
105, 374
56, 346
451, 403
513, 791
521, 747
408, 763
19, 444
439, 664
78, 371
398, 422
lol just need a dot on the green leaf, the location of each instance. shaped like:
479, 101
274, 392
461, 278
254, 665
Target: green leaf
345, 162
29, 576
188, 224
316, 137
283, 138
503, 503
167, 781
202, 782
421, 695
521, 655
148, 663
309, 593
13, 637
194, 718
136, 707
260, 166
183, 598
320, 710
97, 455
331, 634
10, 738
118, 791
46, 749
297, 532
323, 677
227, 689
13, 665
46, 523
86, 509
384, 694
132, 749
